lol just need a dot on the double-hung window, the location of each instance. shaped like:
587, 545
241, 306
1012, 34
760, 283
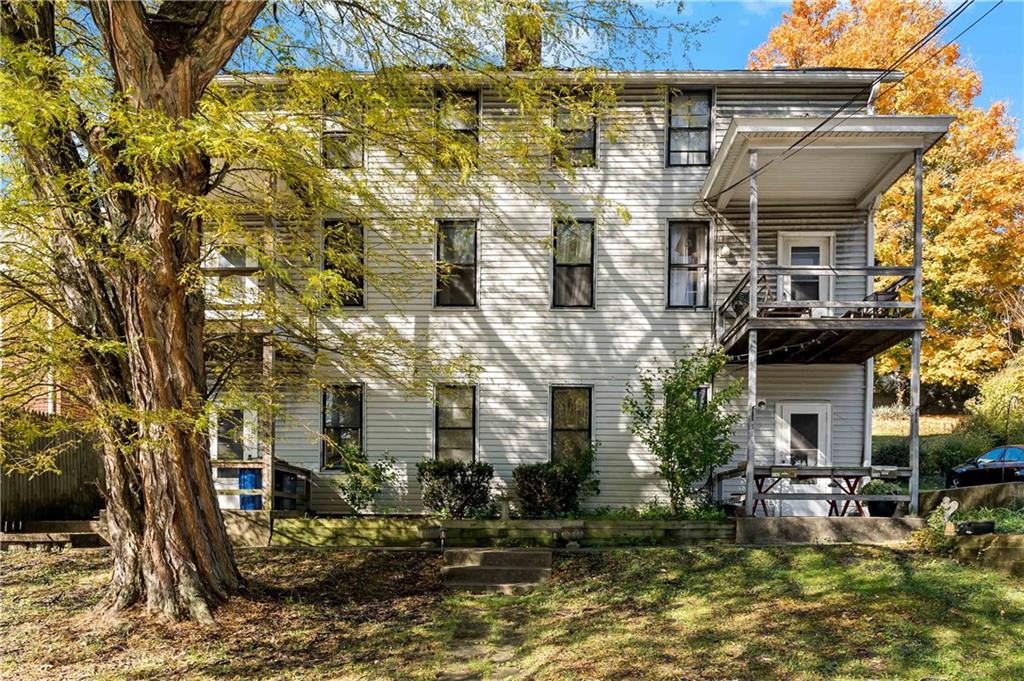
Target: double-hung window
344, 254
231, 278
570, 422
455, 423
689, 128
573, 264
458, 121
342, 423
687, 264
456, 264
340, 147
578, 134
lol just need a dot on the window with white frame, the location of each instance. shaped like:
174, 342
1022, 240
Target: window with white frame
689, 128
230, 278
455, 423
803, 433
571, 423
573, 264
342, 423
233, 434
340, 147
687, 264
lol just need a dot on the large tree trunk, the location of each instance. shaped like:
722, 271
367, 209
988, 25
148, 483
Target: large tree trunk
169, 545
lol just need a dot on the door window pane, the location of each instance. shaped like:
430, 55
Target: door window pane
570, 422
688, 264
803, 439
230, 434
455, 423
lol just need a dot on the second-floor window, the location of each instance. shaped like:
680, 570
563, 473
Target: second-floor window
340, 147
342, 423
344, 254
573, 264
456, 264
455, 423
689, 128
687, 264
579, 139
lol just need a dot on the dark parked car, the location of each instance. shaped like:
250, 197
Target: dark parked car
1002, 464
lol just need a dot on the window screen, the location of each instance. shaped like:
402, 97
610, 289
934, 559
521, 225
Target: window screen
687, 264
574, 264
343, 253
570, 423
456, 260
343, 422
689, 128
455, 423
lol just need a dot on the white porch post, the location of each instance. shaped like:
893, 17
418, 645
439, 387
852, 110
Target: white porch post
752, 335
915, 356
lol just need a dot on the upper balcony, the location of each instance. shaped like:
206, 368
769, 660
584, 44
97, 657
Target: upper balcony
805, 307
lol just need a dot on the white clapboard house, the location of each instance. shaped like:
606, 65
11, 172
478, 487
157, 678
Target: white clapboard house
558, 332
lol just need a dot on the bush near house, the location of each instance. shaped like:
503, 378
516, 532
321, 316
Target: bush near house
456, 489
554, 489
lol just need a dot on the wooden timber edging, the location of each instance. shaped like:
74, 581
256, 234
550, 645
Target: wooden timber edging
398, 532
1003, 552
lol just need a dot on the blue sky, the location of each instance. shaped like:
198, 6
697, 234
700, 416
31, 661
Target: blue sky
995, 46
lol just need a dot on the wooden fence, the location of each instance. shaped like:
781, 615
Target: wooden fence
71, 494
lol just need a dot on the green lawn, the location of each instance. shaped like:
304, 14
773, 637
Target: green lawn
701, 613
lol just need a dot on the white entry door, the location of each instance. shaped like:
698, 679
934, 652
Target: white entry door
803, 433
814, 250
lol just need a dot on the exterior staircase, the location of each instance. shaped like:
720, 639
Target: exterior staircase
507, 571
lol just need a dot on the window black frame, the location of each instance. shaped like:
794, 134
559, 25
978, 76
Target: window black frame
440, 95
670, 129
359, 280
437, 420
567, 157
555, 265
706, 265
359, 389
551, 417
453, 267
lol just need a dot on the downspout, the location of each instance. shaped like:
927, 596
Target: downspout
869, 285
872, 96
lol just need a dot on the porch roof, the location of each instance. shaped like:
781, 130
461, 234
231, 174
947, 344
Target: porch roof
848, 160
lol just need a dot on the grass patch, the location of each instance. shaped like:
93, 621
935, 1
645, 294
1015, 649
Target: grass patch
701, 613
888, 424
1008, 520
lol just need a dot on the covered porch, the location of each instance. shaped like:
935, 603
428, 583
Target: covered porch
797, 302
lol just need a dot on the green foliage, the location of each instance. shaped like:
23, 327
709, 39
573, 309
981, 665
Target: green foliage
655, 511
991, 407
688, 435
456, 489
883, 487
932, 537
362, 480
1008, 520
940, 455
893, 452
556, 489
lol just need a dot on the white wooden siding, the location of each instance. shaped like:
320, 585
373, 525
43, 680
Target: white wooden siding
524, 346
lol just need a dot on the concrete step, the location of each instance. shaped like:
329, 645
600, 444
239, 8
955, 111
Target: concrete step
455, 575
69, 526
525, 558
14, 541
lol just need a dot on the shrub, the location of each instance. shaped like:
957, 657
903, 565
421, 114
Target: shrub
361, 481
454, 488
940, 455
555, 489
883, 487
892, 453
687, 431
656, 511
990, 408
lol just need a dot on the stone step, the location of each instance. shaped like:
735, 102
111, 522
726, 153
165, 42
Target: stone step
532, 558
458, 575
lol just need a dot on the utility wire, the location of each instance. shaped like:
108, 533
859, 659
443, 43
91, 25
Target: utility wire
913, 49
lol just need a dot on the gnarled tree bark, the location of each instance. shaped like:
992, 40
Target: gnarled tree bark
169, 545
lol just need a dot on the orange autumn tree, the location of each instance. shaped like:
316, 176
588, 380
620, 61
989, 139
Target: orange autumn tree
973, 182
